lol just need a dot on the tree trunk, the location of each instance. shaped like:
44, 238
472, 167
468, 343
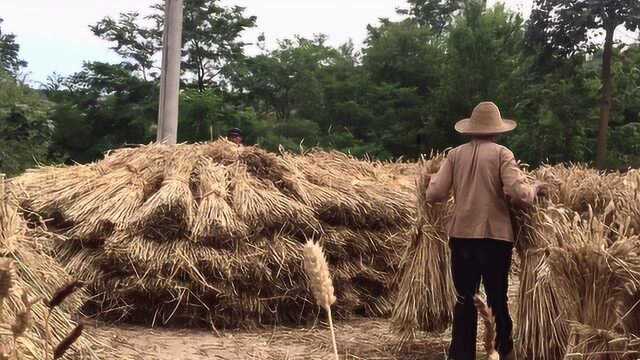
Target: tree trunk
568, 141
605, 101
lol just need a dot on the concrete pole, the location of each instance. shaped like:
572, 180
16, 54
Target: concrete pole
170, 76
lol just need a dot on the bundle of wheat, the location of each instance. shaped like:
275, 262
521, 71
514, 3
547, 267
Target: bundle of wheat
541, 332
370, 201
426, 295
174, 200
602, 344
260, 204
580, 188
575, 266
593, 274
215, 218
490, 331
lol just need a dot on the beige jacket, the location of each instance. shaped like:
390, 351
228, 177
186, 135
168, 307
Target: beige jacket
484, 176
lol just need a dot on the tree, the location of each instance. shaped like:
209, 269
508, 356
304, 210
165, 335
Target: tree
567, 27
211, 36
405, 64
25, 126
287, 80
102, 107
436, 14
131, 41
484, 49
10, 53
405, 54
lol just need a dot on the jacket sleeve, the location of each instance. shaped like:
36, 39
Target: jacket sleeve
514, 182
440, 184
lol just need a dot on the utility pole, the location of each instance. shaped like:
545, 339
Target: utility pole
170, 76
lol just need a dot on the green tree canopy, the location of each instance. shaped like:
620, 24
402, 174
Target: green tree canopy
211, 36
10, 60
567, 27
25, 126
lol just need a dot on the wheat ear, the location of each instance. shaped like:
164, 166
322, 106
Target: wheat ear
489, 321
66, 343
23, 321
315, 265
60, 295
7, 275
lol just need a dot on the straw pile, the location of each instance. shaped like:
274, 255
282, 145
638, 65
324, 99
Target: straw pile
28, 275
214, 232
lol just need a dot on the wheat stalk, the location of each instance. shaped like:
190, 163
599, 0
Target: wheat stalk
315, 265
489, 321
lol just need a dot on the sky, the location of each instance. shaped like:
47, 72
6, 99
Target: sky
54, 35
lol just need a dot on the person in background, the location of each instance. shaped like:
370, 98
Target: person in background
484, 178
235, 135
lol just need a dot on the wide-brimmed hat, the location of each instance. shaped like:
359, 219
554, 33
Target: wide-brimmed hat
485, 120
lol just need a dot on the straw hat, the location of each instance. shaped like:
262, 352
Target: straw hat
485, 120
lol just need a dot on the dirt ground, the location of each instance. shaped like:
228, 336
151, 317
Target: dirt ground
366, 339
359, 339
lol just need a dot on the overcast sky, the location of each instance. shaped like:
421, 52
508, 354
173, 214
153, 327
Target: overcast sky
54, 34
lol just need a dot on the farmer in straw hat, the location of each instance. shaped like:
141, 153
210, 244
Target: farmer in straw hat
235, 135
484, 177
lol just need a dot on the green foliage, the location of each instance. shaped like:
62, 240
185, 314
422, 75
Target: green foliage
10, 61
287, 80
400, 95
210, 38
130, 40
435, 14
105, 106
405, 54
568, 27
25, 126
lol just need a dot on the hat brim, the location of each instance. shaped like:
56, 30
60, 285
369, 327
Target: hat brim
465, 126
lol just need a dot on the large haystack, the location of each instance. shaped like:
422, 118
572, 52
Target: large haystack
39, 276
214, 232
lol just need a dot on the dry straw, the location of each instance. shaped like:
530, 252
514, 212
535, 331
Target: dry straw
541, 332
489, 321
320, 282
592, 274
215, 218
174, 199
24, 266
251, 214
425, 293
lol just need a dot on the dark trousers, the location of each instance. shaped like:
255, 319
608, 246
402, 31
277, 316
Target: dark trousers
473, 261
